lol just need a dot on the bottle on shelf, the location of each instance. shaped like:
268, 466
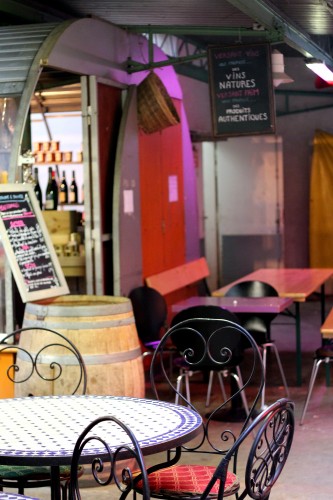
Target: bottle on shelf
51, 199
73, 190
63, 190
37, 189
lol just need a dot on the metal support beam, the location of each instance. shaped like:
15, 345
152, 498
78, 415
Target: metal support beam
134, 66
303, 110
265, 13
271, 35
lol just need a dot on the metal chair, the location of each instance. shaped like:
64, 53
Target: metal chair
104, 470
205, 343
322, 355
259, 325
186, 371
150, 313
45, 361
274, 431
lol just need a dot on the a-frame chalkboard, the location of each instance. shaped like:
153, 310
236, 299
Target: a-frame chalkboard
241, 90
27, 244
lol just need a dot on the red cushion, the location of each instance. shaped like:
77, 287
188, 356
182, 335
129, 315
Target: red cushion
189, 479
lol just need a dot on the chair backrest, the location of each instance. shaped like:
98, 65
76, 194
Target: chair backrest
252, 289
150, 313
274, 432
210, 360
214, 343
255, 323
104, 457
46, 363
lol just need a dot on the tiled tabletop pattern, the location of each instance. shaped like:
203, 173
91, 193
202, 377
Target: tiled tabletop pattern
44, 430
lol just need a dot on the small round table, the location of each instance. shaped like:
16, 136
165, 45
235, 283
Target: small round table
43, 430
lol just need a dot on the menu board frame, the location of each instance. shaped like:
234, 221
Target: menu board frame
241, 90
59, 287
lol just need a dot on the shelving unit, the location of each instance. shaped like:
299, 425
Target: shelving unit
50, 163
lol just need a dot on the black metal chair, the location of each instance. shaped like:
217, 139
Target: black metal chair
186, 371
46, 361
205, 343
104, 470
150, 313
274, 431
323, 354
259, 325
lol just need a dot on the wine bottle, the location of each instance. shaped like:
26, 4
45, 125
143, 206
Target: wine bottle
51, 202
37, 189
63, 191
73, 190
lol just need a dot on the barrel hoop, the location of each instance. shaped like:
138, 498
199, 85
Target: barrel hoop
81, 310
84, 325
93, 359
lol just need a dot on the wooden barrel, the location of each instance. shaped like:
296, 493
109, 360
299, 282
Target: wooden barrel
103, 330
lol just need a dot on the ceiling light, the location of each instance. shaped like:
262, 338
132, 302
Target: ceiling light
320, 69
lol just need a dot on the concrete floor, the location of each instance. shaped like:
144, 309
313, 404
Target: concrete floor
307, 474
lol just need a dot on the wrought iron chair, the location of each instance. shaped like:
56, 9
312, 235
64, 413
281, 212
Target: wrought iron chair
203, 347
259, 325
274, 431
104, 470
46, 363
186, 371
322, 355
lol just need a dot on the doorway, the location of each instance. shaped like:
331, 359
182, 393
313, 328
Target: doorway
243, 205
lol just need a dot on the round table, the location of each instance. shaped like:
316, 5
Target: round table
43, 430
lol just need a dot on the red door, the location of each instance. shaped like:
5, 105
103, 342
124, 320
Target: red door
162, 203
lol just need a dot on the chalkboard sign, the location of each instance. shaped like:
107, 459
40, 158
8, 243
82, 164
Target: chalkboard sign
241, 90
27, 244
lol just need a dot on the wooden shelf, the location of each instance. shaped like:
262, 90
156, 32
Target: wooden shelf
58, 163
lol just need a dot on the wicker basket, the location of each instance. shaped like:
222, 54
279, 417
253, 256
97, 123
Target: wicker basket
156, 110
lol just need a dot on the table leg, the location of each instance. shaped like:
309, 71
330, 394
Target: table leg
322, 302
298, 345
55, 483
323, 316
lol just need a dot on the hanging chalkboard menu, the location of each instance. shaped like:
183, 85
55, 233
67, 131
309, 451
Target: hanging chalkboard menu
27, 244
241, 90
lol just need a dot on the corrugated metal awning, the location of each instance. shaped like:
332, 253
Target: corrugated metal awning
18, 48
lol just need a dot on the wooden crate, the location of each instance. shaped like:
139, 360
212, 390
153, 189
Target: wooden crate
60, 222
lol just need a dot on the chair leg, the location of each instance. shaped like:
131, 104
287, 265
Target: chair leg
264, 364
278, 359
187, 385
184, 375
238, 377
209, 388
220, 377
264, 361
179, 386
316, 364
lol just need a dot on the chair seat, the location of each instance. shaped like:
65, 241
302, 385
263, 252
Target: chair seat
15, 472
326, 351
180, 480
